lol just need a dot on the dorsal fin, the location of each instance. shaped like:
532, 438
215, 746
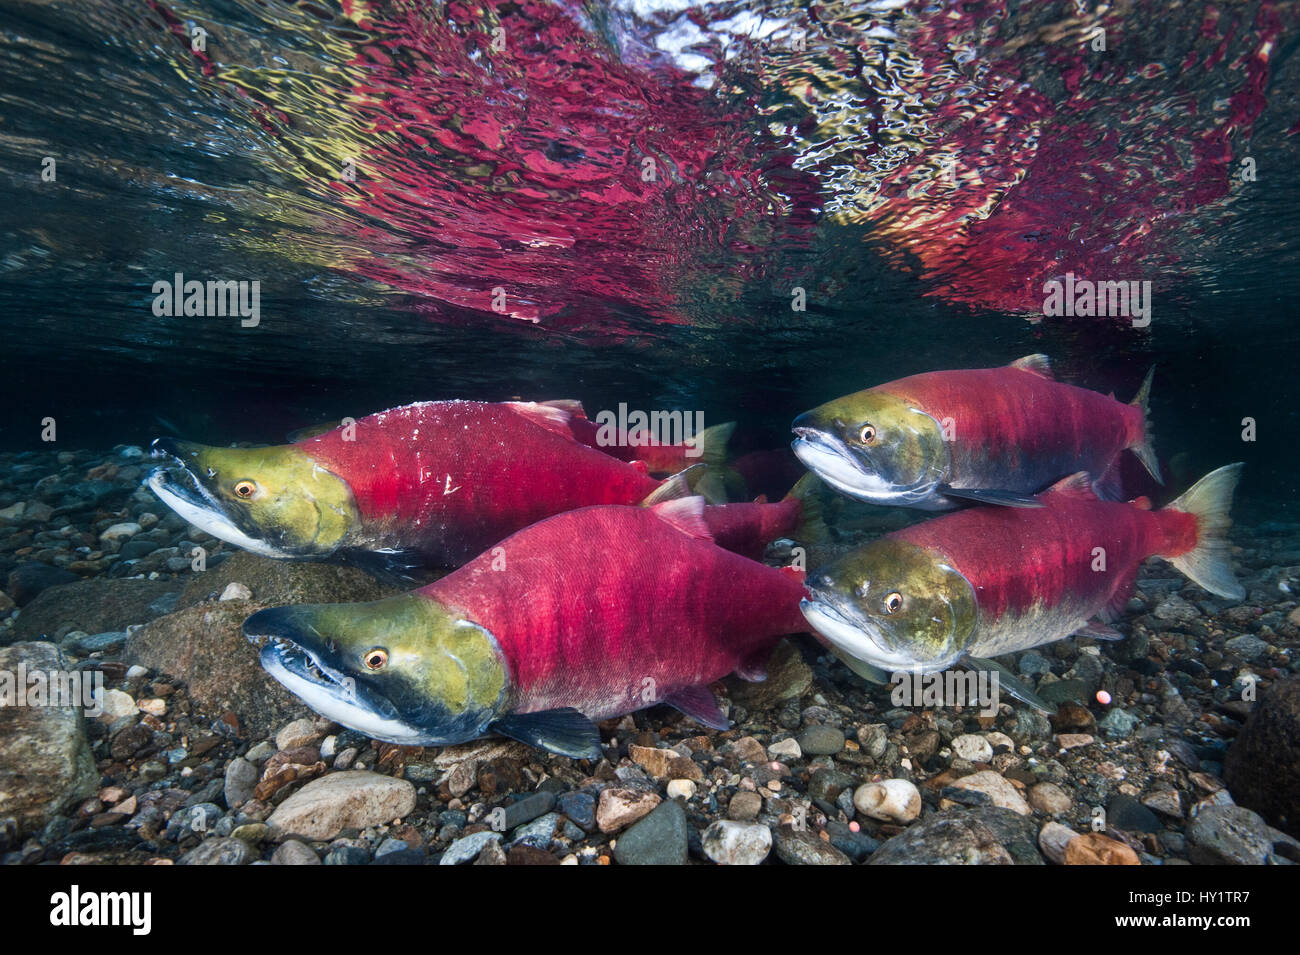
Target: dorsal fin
571, 405
1078, 484
685, 514
544, 415
1036, 365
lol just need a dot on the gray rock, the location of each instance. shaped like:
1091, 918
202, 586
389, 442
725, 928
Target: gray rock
1176, 610
102, 642
241, 780
528, 808
821, 741
1248, 647
1234, 835
983, 836
1033, 663
1118, 724
96, 605
227, 851
26, 581
1127, 813
801, 847
467, 848
539, 833
658, 839
45, 759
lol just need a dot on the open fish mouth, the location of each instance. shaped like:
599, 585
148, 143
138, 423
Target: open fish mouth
326, 689
832, 461
179, 488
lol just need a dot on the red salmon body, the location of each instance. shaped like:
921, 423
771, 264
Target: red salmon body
1016, 427
661, 611
452, 478
1052, 567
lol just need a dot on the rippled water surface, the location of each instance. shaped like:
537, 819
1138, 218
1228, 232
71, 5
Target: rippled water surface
626, 202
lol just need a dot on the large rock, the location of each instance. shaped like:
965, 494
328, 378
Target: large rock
788, 678
1233, 835
354, 799
985, 836
204, 647
277, 582
1262, 767
97, 605
26, 581
45, 760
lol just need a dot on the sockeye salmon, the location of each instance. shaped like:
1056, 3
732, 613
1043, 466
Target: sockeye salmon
990, 435
991, 580
584, 616
435, 483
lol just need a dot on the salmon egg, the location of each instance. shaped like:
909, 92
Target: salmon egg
1103, 697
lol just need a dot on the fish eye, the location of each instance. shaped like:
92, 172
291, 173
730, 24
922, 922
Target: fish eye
893, 602
867, 434
375, 659
245, 489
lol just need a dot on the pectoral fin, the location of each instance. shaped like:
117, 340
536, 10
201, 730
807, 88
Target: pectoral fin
983, 495
872, 674
698, 703
1008, 681
1098, 631
564, 731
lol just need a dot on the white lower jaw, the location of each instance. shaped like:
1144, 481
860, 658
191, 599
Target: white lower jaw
210, 521
328, 703
842, 475
858, 644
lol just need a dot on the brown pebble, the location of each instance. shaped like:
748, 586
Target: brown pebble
1092, 848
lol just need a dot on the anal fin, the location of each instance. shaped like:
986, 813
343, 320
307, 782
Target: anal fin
699, 704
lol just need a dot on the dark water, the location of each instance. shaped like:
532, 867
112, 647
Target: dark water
647, 185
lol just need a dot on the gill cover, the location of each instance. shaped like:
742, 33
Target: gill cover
874, 446
895, 606
404, 669
275, 501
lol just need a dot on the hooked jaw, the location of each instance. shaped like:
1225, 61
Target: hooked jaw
820, 447
180, 489
442, 680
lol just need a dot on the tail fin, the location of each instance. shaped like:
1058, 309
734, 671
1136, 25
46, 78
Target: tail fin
1145, 450
712, 444
672, 488
812, 528
1208, 500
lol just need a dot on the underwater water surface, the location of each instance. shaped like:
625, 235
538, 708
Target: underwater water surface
650, 187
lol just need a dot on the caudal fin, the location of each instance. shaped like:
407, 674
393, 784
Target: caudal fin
812, 528
1209, 563
1145, 449
712, 444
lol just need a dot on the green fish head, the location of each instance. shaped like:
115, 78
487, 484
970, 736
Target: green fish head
274, 501
893, 605
875, 447
404, 669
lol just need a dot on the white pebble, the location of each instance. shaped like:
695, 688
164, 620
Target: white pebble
891, 800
